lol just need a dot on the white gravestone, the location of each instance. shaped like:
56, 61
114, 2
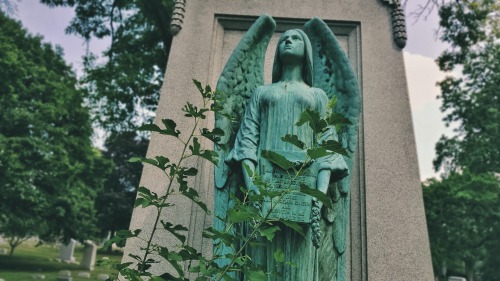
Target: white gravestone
89, 254
64, 275
66, 252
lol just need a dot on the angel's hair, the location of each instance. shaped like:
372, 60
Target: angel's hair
307, 64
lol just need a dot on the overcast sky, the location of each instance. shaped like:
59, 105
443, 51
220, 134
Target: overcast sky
420, 53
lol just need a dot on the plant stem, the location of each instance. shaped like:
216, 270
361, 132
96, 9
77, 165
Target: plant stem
170, 184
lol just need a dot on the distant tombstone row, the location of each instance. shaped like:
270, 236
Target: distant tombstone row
89, 254
65, 275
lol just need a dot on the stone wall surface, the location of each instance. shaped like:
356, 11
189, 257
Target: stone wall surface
388, 229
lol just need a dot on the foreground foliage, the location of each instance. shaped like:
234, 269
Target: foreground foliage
245, 224
49, 171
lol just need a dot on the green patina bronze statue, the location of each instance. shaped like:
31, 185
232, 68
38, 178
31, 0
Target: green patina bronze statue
309, 68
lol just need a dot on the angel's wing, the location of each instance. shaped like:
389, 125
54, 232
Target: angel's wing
244, 71
334, 75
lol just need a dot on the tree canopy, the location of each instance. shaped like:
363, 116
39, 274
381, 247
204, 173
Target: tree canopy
471, 101
124, 85
50, 172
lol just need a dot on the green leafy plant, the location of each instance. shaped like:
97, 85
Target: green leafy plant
262, 226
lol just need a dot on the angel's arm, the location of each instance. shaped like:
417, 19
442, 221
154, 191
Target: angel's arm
332, 163
247, 139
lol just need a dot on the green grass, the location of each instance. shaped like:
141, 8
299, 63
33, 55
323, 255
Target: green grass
28, 260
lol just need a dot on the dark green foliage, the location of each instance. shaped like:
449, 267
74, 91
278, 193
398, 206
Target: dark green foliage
49, 172
115, 201
463, 216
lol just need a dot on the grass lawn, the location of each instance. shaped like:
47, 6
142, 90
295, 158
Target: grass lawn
28, 260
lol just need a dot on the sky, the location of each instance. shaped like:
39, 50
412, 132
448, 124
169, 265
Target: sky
422, 48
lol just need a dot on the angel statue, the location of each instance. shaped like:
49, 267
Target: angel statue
310, 68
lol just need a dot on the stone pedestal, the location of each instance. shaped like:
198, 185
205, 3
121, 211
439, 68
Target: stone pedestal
388, 233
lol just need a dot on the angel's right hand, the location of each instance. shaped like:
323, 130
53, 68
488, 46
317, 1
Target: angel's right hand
253, 189
248, 173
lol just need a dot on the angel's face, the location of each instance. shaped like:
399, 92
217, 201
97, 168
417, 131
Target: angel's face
291, 46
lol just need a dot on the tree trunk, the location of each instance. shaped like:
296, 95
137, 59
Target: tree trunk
469, 270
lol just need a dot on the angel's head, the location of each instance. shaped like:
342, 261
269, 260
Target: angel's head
294, 46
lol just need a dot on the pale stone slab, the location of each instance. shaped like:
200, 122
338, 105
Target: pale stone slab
84, 274
64, 275
66, 251
102, 277
89, 256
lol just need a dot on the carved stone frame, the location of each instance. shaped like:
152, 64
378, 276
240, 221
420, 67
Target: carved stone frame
351, 32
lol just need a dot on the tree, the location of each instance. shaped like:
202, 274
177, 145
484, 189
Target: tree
50, 172
462, 210
115, 202
462, 214
124, 85
471, 101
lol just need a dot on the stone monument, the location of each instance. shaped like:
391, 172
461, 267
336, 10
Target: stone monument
387, 232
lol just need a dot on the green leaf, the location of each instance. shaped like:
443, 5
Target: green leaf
277, 159
213, 135
318, 152
144, 160
295, 226
194, 196
337, 119
314, 120
198, 85
174, 229
248, 169
269, 232
121, 266
150, 127
316, 194
335, 146
279, 256
170, 128
162, 162
214, 234
294, 140
242, 213
210, 155
255, 274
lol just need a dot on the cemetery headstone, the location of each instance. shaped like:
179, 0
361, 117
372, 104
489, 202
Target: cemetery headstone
89, 254
38, 276
84, 274
102, 277
66, 251
64, 275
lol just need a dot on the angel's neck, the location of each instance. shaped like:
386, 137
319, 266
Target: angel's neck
291, 73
